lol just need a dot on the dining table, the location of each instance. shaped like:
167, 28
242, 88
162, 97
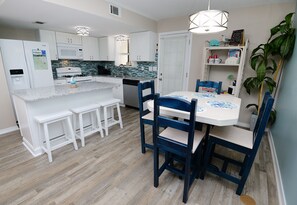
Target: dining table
212, 109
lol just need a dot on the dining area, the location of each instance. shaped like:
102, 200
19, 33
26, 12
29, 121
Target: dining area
195, 135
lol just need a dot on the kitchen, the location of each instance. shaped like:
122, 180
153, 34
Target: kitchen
143, 69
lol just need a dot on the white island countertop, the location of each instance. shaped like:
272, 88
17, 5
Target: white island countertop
60, 90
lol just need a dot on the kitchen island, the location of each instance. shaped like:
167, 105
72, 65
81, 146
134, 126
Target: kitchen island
29, 103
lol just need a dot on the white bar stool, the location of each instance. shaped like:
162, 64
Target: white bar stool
67, 138
80, 111
110, 122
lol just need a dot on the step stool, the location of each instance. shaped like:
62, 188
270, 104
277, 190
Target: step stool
79, 112
67, 138
110, 122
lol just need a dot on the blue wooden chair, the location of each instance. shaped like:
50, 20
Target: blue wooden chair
179, 140
145, 116
209, 84
240, 140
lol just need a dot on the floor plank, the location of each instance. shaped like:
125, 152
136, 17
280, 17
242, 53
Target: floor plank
112, 170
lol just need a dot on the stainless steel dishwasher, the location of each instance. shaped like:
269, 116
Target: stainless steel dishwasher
130, 87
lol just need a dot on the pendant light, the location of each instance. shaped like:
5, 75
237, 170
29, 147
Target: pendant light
208, 21
82, 30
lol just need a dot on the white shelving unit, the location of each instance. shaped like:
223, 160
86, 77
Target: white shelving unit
220, 71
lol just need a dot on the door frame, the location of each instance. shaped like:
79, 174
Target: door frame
188, 53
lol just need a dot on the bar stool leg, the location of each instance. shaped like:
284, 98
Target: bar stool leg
119, 115
71, 133
47, 140
81, 130
105, 121
74, 124
99, 122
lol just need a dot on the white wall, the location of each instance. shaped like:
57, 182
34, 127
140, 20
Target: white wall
256, 21
17, 33
7, 119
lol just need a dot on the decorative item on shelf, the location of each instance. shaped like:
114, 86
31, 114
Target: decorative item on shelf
214, 42
82, 30
208, 21
214, 59
231, 88
232, 61
237, 38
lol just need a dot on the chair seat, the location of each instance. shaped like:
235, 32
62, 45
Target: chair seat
234, 135
52, 116
182, 137
85, 108
110, 102
149, 116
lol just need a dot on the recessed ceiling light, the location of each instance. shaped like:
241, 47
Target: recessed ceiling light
39, 22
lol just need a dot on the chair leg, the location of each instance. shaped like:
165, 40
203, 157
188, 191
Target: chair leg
187, 179
245, 174
105, 120
207, 156
142, 137
74, 124
156, 167
243, 166
119, 115
71, 133
47, 140
81, 130
99, 123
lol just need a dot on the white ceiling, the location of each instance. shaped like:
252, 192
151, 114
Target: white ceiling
22, 13
162, 9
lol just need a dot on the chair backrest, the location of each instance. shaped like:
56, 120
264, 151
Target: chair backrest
262, 120
165, 121
209, 84
145, 97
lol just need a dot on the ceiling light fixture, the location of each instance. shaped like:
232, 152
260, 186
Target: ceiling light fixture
122, 37
208, 21
82, 30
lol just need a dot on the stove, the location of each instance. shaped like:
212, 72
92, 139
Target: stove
69, 72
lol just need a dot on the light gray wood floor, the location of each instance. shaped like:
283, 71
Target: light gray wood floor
112, 170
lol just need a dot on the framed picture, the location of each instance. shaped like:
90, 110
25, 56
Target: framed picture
237, 38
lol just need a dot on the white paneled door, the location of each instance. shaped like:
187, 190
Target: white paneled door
174, 58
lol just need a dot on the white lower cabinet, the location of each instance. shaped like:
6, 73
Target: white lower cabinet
116, 91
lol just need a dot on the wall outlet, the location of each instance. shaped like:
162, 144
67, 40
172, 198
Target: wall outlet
150, 68
155, 68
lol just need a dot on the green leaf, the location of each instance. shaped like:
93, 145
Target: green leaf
257, 49
250, 84
288, 18
292, 45
270, 83
261, 71
274, 65
254, 60
285, 47
276, 43
274, 30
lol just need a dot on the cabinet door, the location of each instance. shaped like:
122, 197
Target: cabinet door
90, 48
107, 48
143, 46
68, 38
50, 38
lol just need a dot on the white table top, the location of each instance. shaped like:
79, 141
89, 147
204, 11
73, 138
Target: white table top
213, 109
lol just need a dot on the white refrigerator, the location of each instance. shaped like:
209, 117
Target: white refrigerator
27, 64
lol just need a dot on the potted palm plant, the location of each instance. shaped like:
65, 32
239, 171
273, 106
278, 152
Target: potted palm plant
268, 60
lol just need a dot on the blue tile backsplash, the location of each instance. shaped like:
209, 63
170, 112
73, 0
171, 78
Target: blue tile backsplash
90, 68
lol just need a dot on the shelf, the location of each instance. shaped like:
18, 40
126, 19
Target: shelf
221, 64
224, 48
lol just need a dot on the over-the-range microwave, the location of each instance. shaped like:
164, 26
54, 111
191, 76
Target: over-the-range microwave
68, 51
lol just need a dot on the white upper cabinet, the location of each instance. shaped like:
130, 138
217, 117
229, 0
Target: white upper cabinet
107, 48
90, 48
143, 46
50, 38
68, 38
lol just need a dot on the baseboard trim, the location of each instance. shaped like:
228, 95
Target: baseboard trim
279, 182
29, 147
8, 130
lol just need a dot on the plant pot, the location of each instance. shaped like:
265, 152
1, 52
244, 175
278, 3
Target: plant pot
253, 121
